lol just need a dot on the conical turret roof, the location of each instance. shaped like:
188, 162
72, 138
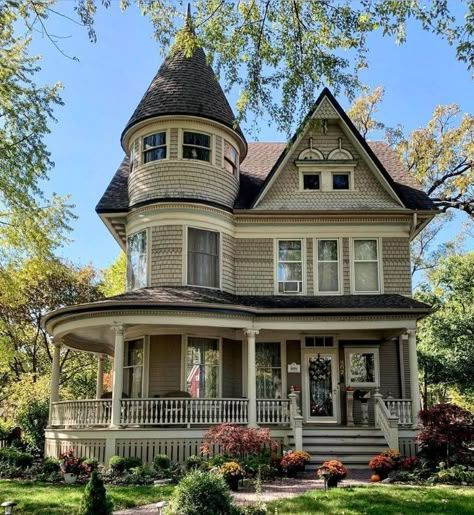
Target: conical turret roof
185, 86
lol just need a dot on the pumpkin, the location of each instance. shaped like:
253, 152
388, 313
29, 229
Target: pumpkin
374, 478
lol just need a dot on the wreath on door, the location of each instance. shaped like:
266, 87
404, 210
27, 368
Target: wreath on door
319, 368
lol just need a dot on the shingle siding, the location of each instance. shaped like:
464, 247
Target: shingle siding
167, 255
254, 268
228, 256
396, 265
173, 143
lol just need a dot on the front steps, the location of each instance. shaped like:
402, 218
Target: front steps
353, 446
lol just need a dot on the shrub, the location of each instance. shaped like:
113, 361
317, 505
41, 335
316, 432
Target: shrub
161, 462
202, 493
332, 469
409, 464
4, 430
95, 500
394, 455
259, 464
447, 433
15, 457
50, 465
458, 474
132, 462
196, 463
90, 464
33, 420
70, 464
117, 465
141, 475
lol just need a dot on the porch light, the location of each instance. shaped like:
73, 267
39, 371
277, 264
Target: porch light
8, 507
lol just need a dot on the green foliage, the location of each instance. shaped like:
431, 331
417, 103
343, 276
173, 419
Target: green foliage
132, 462
33, 420
4, 429
51, 465
113, 277
117, 464
90, 464
201, 493
197, 463
458, 474
15, 457
161, 462
95, 500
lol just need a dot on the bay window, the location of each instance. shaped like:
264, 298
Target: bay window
137, 261
203, 258
366, 266
362, 365
133, 369
196, 146
327, 269
290, 266
154, 147
203, 367
268, 370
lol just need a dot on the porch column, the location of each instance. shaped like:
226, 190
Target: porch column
117, 380
414, 387
54, 397
251, 377
100, 376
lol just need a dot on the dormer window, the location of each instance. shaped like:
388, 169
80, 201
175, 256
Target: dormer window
230, 158
311, 181
341, 181
196, 146
154, 147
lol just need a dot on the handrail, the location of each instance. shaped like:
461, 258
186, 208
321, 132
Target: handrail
273, 411
387, 422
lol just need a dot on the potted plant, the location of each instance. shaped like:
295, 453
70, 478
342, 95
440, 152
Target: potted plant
381, 466
332, 472
232, 473
294, 462
70, 466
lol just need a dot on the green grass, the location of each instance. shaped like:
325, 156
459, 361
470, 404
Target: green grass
380, 500
47, 499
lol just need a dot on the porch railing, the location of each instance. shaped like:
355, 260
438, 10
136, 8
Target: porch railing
169, 412
273, 411
81, 413
402, 409
387, 422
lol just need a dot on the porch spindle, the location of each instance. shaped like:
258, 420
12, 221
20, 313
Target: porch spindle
117, 385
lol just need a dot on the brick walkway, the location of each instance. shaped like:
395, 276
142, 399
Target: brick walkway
271, 491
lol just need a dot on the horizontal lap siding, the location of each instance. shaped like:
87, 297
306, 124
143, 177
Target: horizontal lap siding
165, 364
390, 369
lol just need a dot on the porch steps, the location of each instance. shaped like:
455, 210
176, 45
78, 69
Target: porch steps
354, 447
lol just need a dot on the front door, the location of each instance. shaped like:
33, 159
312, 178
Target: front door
320, 385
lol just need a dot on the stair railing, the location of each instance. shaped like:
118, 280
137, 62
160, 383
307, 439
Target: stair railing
296, 421
387, 422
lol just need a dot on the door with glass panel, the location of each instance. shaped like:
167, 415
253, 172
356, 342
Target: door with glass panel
320, 385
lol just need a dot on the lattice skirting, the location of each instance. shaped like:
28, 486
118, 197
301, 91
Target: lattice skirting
408, 446
83, 448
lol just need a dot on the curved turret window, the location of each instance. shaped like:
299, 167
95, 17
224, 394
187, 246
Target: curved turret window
196, 146
137, 261
154, 147
231, 158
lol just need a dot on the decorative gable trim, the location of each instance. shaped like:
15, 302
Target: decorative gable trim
328, 107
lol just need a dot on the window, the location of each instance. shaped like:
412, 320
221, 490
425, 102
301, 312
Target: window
327, 256
290, 266
154, 147
362, 367
340, 181
318, 341
196, 146
203, 258
202, 367
133, 369
268, 363
230, 158
366, 266
311, 181
137, 261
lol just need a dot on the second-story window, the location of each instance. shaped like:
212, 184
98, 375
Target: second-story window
203, 258
290, 266
137, 261
154, 147
327, 256
366, 266
230, 158
196, 146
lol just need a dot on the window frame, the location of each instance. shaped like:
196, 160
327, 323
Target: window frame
185, 257
184, 362
301, 180
144, 386
210, 148
147, 254
235, 165
379, 266
142, 150
339, 291
342, 172
362, 350
282, 367
276, 252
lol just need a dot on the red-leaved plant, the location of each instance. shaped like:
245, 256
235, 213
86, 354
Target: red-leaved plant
237, 441
70, 464
381, 464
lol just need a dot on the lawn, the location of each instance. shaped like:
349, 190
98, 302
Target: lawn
380, 499
47, 499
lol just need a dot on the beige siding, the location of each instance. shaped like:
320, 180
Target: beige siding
219, 150
166, 256
231, 368
228, 253
389, 369
396, 265
173, 143
369, 193
293, 355
254, 267
165, 364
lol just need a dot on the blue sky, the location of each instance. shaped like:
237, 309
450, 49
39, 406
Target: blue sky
103, 88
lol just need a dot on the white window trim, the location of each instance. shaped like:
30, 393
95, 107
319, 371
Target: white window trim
325, 170
283, 363
148, 260
379, 267
146, 352
184, 363
343, 172
141, 150
302, 173
212, 146
304, 346
339, 291
352, 350
237, 163
185, 257
276, 261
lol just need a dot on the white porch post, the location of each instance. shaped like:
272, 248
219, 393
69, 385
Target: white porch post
55, 377
414, 387
100, 376
251, 377
117, 381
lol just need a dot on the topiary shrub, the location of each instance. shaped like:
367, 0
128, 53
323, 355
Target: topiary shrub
95, 500
161, 462
117, 465
202, 493
90, 464
132, 462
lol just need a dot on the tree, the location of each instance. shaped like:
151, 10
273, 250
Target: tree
95, 500
113, 277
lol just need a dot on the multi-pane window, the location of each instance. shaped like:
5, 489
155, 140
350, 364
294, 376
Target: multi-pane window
196, 146
230, 158
327, 256
362, 367
137, 261
318, 341
366, 266
268, 364
290, 266
340, 181
133, 369
203, 258
311, 181
202, 367
154, 147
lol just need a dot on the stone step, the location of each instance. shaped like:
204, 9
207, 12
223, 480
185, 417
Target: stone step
327, 440
369, 450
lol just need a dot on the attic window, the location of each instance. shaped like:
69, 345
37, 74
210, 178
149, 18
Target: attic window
196, 146
311, 181
154, 147
341, 181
